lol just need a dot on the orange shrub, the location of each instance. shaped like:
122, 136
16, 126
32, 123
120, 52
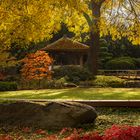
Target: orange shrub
37, 66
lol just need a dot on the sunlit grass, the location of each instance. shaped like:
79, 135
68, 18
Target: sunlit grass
76, 94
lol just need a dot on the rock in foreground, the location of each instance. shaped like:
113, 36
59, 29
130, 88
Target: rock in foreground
52, 115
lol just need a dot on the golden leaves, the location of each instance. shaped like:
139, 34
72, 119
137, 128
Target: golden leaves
6, 59
25, 21
28, 21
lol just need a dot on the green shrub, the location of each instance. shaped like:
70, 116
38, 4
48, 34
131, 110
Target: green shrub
8, 86
57, 83
11, 78
104, 81
44, 84
73, 74
121, 63
108, 81
54, 84
137, 62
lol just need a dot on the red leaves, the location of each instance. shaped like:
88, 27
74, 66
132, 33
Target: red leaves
36, 66
40, 132
78, 134
122, 133
37, 132
114, 133
91, 136
26, 130
84, 136
6, 137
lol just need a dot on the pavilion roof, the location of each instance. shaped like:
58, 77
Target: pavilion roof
66, 44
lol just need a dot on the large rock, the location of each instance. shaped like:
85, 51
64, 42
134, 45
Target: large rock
52, 115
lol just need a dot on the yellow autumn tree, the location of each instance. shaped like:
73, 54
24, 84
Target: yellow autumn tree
33, 20
118, 18
25, 21
6, 59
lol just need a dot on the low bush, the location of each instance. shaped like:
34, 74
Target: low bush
36, 84
45, 84
8, 86
100, 81
54, 84
121, 63
105, 81
73, 74
137, 62
11, 78
109, 81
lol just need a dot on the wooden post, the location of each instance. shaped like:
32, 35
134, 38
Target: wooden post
81, 61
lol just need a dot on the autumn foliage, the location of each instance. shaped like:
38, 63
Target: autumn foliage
114, 133
36, 66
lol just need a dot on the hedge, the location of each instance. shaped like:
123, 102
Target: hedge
8, 86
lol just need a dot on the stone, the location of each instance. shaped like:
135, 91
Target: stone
70, 85
53, 115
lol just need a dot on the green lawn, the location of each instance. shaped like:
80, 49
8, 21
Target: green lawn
76, 94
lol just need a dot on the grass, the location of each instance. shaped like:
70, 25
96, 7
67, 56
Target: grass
106, 116
118, 116
76, 94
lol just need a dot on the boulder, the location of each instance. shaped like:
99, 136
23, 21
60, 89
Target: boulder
70, 85
53, 115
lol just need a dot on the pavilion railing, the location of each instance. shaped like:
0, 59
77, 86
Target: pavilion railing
130, 74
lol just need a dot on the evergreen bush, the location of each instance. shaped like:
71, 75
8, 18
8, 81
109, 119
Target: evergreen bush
8, 86
121, 63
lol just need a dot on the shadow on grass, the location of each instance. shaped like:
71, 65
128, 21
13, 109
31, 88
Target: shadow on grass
76, 94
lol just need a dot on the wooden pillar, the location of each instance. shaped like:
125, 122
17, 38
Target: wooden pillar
75, 61
81, 61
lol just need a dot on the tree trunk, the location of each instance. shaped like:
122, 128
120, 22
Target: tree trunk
94, 38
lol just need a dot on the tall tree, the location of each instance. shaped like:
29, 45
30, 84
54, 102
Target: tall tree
34, 20
118, 18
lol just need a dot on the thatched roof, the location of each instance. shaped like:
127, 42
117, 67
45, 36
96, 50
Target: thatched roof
66, 44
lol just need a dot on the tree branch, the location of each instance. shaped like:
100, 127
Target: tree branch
87, 17
133, 9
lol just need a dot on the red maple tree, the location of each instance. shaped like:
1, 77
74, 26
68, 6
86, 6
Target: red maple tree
37, 66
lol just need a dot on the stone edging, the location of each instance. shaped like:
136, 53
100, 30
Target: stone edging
94, 103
